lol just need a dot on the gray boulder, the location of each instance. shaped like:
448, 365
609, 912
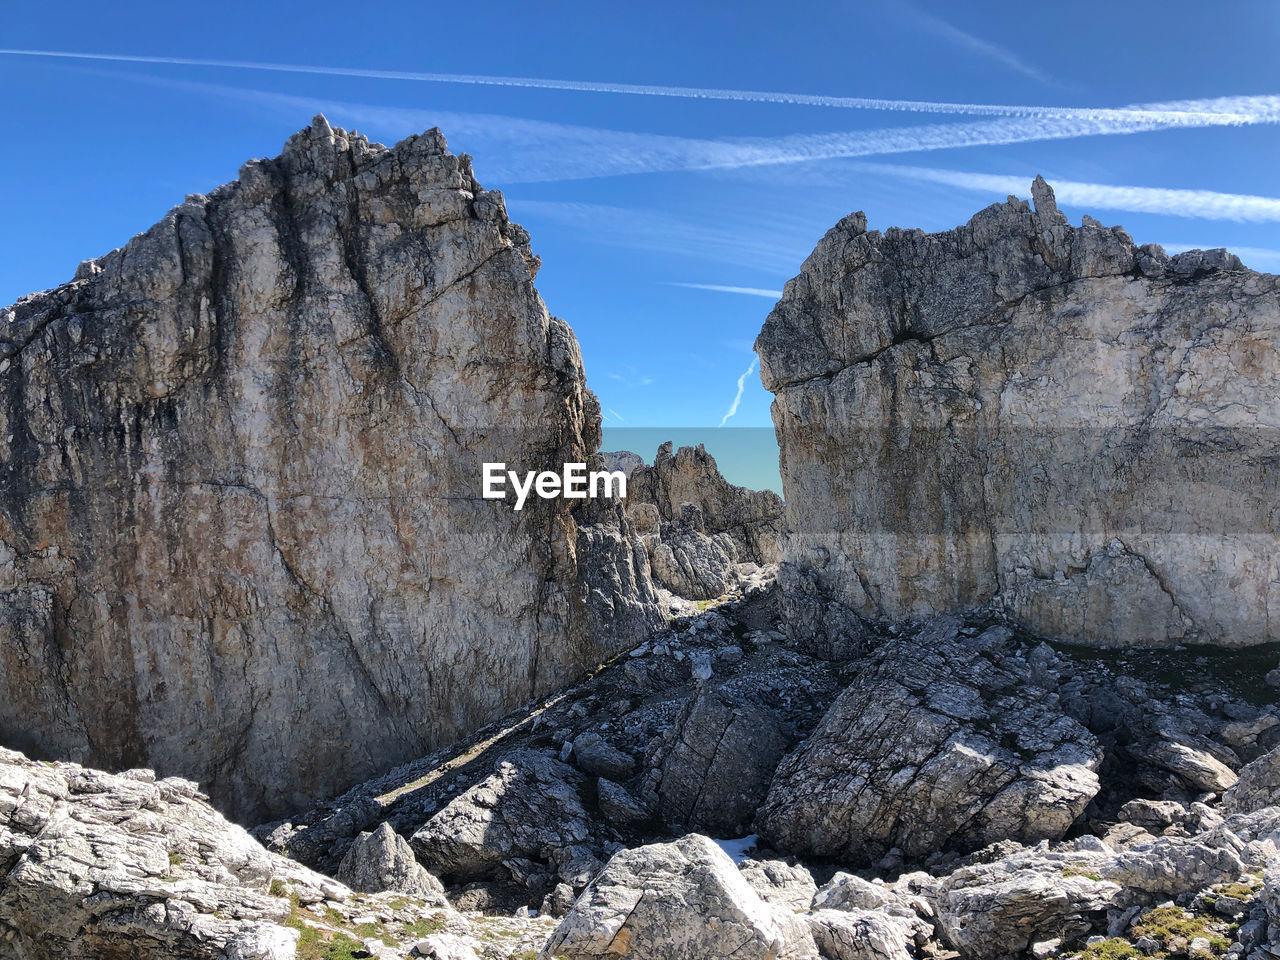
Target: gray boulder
619, 806
99, 865
936, 745
528, 808
1258, 785
997, 910
867, 934
595, 756
383, 860
1172, 866
676, 901
1195, 766
844, 891
783, 884
718, 761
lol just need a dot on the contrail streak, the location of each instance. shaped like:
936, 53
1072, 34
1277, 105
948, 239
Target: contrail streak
1239, 112
742, 385
1203, 204
719, 288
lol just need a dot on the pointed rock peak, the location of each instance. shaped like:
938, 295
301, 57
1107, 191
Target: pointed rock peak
1046, 203
320, 126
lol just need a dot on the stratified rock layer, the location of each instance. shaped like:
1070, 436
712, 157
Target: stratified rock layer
938, 744
241, 530
95, 865
1045, 413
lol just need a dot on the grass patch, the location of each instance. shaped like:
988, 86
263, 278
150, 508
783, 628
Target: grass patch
175, 858
425, 926
1241, 891
317, 944
312, 945
277, 888
1167, 924
1074, 870
1113, 949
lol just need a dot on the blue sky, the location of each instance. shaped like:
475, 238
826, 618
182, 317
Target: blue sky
664, 218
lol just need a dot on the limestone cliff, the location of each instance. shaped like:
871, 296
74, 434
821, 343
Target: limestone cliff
242, 537
1023, 410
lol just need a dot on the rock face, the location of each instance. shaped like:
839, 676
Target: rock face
1047, 414
241, 531
937, 744
95, 865
1258, 785
998, 910
383, 860
528, 808
696, 525
676, 901
719, 765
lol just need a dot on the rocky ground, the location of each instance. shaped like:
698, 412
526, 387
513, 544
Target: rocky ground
756, 772
952, 789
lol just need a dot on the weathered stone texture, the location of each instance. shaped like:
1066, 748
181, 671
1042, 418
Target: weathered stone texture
938, 744
95, 865
1023, 409
241, 530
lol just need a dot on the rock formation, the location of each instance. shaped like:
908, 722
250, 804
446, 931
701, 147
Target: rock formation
94, 865
241, 530
523, 817
383, 860
528, 808
1044, 414
677, 901
696, 525
938, 744
1258, 785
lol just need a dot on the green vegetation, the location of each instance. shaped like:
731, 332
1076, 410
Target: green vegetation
1113, 949
1173, 929
313, 946
175, 858
1241, 891
1075, 870
277, 888
317, 944
425, 926
1169, 924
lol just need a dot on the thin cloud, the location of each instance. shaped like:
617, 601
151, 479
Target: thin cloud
760, 249
1201, 204
737, 399
541, 151
720, 288
640, 89
520, 150
631, 378
613, 413
967, 41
